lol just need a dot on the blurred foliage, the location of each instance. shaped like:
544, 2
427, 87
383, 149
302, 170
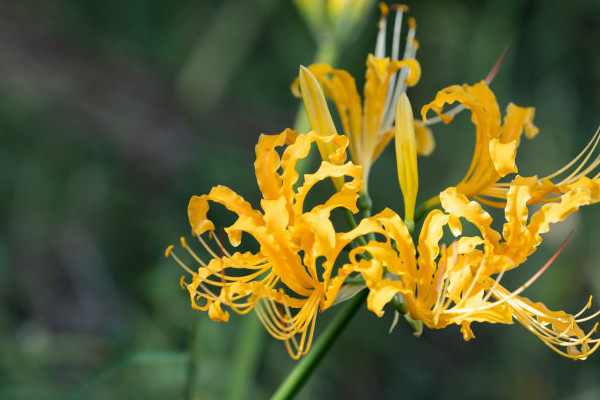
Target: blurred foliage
110, 121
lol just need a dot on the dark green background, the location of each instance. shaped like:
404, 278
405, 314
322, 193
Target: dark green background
112, 114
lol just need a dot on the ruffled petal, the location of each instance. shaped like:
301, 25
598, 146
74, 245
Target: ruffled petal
267, 163
425, 139
503, 156
328, 170
459, 205
198, 207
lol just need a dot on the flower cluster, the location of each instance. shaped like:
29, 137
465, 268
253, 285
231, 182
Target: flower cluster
305, 264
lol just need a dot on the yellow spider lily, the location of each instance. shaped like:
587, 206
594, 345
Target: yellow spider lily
495, 143
454, 284
292, 276
369, 126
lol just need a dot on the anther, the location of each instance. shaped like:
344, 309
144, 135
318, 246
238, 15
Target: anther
399, 7
384, 9
168, 251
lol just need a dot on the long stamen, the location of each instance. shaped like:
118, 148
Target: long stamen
207, 247
587, 152
230, 260
484, 300
267, 321
563, 339
380, 43
169, 253
395, 54
397, 84
504, 299
594, 315
467, 294
400, 10
206, 293
206, 290
410, 51
450, 296
442, 269
221, 247
492, 74
583, 165
192, 253
495, 284
488, 80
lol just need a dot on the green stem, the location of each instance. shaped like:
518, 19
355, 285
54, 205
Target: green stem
416, 324
327, 51
365, 205
426, 206
307, 365
352, 223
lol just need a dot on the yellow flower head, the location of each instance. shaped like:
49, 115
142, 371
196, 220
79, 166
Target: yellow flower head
369, 126
495, 143
292, 276
459, 283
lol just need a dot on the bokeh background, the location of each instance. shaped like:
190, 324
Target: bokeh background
112, 114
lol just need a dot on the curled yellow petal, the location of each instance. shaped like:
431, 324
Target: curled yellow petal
197, 210
425, 139
267, 164
459, 205
503, 156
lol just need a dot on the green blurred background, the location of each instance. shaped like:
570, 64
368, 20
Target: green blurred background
112, 114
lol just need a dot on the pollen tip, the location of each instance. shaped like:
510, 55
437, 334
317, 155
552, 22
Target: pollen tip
412, 23
401, 7
384, 14
182, 282
168, 251
384, 9
183, 242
